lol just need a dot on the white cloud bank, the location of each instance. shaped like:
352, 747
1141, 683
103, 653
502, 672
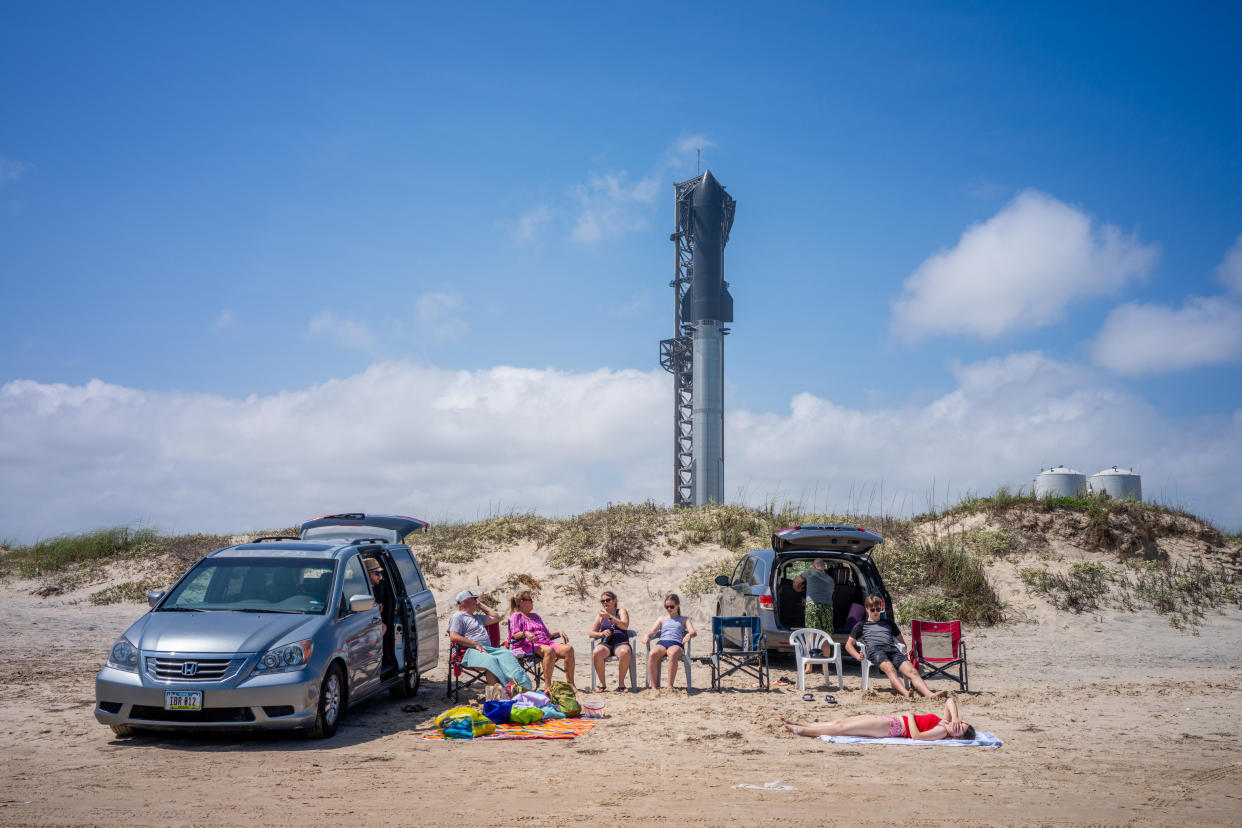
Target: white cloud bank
437, 444
1017, 271
1152, 339
1139, 338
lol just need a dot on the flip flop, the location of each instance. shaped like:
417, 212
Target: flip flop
830, 699
783, 680
808, 697
622, 690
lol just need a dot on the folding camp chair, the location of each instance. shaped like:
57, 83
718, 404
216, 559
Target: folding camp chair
749, 656
633, 636
937, 647
531, 662
865, 665
806, 642
685, 661
473, 674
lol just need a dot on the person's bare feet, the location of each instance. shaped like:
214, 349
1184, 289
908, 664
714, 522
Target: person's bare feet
939, 694
793, 727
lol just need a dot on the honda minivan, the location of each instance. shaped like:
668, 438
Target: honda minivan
762, 583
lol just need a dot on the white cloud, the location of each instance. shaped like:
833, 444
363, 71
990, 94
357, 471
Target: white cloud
348, 333
437, 315
441, 444
224, 319
1150, 339
11, 170
1230, 270
609, 206
692, 143
528, 229
1017, 271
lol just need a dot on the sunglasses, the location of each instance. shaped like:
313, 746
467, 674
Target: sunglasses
670, 606
605, 600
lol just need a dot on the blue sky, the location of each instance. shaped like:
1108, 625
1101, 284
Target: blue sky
267, 261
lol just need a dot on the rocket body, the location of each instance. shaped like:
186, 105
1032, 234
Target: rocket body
706, 306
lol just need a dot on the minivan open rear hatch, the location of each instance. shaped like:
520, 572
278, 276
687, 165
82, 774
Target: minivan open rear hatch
823, 538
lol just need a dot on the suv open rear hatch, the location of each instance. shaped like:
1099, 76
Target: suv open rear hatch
824, 538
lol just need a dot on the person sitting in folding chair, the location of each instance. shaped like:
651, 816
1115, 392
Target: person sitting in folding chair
467, 629
880, 635
675, 631
528, 635
925, 727
611, 632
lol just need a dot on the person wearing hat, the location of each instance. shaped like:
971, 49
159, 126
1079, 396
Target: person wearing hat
468, 629
385, 604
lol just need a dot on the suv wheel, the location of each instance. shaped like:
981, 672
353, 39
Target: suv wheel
331, 703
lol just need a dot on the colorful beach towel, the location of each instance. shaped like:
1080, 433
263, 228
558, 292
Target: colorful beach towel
547, 729
981, 739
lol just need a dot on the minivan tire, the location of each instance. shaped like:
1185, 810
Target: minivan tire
411, 680
331, 707
124, 730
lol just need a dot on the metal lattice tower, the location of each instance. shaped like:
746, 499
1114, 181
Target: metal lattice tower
677, 353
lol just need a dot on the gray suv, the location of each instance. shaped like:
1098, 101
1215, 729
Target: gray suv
762, 583
277, 633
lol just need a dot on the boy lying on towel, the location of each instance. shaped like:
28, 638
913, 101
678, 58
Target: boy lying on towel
909, 725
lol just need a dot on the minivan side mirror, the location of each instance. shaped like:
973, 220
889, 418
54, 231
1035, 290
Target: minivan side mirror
361, 603
154, 596
723, 580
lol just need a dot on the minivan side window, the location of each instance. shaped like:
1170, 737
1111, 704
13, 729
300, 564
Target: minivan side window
747, 569
355, 583
736, 577
409, 569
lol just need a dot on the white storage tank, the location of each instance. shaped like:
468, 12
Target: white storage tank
1060, 481
1119, 484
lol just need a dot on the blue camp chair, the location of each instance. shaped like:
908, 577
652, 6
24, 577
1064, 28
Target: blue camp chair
749, 656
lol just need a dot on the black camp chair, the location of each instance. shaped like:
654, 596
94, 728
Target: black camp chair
749, 657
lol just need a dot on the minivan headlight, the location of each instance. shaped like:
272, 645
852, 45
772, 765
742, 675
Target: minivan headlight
123, 655
285, 657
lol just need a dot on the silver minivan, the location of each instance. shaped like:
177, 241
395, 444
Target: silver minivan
277, 633
762, 583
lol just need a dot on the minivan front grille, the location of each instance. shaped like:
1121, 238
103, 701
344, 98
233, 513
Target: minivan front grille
185, 668
208, 715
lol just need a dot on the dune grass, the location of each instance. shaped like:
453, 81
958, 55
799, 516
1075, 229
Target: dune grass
58, 553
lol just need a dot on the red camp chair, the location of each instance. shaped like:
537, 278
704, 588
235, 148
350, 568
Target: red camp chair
473, 674
937, 647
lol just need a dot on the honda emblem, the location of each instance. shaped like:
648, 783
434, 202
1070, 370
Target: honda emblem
189, 668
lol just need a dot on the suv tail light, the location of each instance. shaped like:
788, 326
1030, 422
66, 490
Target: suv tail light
765, 602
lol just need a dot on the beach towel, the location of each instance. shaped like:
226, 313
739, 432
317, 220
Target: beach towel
552, 729
981, 739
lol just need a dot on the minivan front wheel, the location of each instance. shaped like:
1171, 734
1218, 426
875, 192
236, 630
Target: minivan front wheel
331, 703
411, 680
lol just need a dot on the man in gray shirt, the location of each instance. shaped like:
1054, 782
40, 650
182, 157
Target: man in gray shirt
819, 586
468, 630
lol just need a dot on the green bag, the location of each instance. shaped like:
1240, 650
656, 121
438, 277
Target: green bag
525, 715
563, 697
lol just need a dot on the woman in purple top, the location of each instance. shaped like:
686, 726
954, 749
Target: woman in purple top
528, 634
675, 632
610, 633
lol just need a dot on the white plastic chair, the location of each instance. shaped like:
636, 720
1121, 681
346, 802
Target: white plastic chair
632, 636
807, 639
685, 662
865, 665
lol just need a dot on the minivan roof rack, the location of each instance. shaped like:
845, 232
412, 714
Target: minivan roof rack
267, 538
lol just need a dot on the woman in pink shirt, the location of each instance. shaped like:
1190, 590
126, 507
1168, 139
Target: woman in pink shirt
529, 635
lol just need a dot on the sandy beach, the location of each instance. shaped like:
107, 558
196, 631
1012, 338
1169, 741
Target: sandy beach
1111, 718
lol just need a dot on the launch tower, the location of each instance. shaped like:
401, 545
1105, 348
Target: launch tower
695, 355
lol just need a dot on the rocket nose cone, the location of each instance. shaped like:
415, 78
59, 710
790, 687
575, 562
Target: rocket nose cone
709, 190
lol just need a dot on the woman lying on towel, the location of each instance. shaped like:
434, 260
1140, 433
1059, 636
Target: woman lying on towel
926, 727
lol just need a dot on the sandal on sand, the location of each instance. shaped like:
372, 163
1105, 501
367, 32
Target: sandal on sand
623, 689
808, 697
783, 680
830, 699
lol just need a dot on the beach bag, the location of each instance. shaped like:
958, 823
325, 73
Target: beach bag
550, 712
464, 723
498, 711
564, 698
531, 698
525, 715
592, 710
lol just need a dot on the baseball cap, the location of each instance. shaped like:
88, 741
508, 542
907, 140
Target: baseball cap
464, 594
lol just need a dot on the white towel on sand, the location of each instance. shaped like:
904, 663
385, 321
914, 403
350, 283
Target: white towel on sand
981, 739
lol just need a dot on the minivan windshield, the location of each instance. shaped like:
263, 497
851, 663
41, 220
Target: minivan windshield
254, 585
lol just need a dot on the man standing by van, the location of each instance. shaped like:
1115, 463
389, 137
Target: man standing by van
819, 586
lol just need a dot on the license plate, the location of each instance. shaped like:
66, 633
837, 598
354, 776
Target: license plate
183, 700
